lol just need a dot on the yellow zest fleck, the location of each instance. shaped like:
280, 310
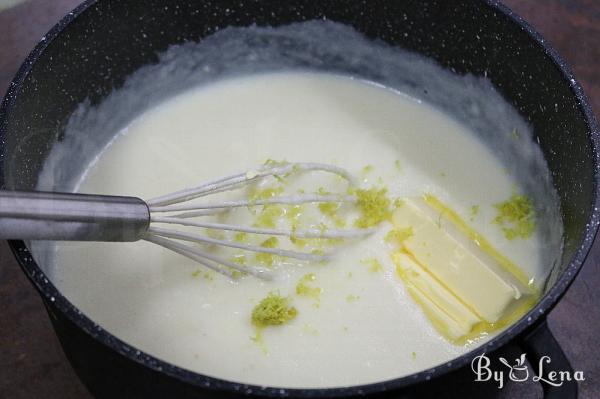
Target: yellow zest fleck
330, 209
304, 289
516, 217
273, 163
374, 207
398, 165
299, 242
269, 216
235, 274
274, 310
374, 265
367, 169
303, 242
264, 193
240, 259
206, 275
352, 298
270, 242
397, 235
258, 339
474, 210
240, 236
266, 258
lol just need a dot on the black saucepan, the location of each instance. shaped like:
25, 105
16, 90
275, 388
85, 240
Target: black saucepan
94, 48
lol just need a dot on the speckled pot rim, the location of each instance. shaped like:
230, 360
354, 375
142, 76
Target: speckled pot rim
537, 314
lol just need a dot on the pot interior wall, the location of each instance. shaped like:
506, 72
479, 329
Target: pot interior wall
110, 40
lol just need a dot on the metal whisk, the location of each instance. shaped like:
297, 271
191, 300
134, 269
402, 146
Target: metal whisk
32, 215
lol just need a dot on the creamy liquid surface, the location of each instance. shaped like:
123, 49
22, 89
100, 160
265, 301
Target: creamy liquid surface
157, 301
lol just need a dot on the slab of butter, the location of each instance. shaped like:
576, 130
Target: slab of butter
445, 311
459, 285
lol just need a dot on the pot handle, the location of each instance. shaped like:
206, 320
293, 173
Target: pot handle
545, 351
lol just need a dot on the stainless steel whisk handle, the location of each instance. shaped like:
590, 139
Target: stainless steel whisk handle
36, 215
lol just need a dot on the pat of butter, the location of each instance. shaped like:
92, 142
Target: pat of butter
446, 312
451, 279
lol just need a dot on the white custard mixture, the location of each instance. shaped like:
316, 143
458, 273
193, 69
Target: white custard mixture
363, 326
